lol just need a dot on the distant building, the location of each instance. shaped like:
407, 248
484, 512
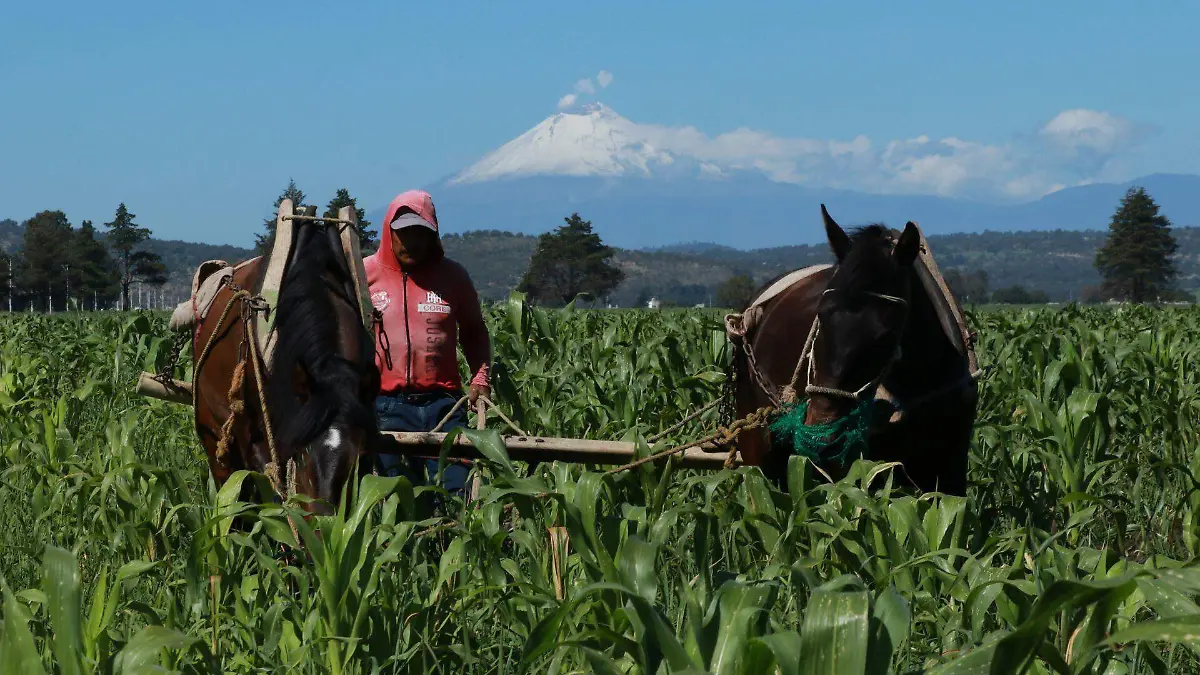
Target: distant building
653, 304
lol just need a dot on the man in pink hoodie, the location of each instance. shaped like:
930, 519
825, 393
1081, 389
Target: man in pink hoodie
429, 307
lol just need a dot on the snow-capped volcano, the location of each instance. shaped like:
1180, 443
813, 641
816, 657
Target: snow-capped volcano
649, 185
592, 140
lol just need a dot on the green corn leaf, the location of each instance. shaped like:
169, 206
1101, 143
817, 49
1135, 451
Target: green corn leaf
17, 651
62, 584
834, 635
145, 649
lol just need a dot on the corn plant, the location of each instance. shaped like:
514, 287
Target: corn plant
1073, 552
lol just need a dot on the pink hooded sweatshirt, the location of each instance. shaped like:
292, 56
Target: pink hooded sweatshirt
426, 311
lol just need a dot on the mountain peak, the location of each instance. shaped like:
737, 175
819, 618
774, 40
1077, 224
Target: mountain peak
585, 140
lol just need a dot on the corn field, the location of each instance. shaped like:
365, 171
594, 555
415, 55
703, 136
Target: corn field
1072, 553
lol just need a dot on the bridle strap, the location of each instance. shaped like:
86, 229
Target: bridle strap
810, 346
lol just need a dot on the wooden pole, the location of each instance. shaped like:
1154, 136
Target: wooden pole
178, 392
520, 448
544, 449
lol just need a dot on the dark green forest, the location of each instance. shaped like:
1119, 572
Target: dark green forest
1058, 263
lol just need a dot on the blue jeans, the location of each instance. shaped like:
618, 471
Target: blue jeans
421, 412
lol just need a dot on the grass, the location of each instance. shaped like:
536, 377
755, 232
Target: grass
1073, 552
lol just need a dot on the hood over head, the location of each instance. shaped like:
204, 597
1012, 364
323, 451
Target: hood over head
416, 209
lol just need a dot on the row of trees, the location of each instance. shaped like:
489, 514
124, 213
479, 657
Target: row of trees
1135, 263
58, 261
59, 265
366, 236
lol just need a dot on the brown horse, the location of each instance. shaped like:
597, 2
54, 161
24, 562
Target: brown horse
879, 334
320, 385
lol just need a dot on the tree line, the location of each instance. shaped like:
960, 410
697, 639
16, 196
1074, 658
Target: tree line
60, 266
1135, 263
366, 236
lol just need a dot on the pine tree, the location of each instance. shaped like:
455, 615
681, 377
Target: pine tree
40, 270
93, 276
366, 236
264, 242
132, 263
1135, 261
570, 261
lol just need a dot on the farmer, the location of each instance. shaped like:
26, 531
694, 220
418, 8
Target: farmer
429, 305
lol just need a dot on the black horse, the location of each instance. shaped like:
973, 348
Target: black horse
883, 361
323, 379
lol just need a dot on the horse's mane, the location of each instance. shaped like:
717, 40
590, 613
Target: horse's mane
307, 337
869, 259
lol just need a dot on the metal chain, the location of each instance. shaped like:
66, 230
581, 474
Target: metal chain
166, 374
757, 374
382, 341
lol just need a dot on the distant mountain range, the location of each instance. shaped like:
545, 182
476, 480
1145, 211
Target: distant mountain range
684, 223
615, 173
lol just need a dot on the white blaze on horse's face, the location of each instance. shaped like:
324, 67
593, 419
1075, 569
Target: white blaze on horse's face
333, 438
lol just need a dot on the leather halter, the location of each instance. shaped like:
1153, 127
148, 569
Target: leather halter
810, 346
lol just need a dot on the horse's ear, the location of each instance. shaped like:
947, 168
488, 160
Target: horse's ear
838, 241
908, 246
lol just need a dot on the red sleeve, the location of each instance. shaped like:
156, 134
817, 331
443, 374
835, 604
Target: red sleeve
473, 333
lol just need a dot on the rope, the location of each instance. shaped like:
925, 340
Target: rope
714, 403
284, 490
256, 362
449, 415
495, 408
491, 406
789, 392
237, 404
722, 436
239, 372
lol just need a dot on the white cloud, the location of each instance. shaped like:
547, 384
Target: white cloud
1092, 129
1093, 143
1073, 147
585, 88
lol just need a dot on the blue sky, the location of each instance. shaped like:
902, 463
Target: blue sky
195, 115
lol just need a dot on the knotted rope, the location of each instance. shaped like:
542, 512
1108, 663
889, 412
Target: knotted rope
721, 437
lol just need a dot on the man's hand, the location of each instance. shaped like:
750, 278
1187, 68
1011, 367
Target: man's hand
478, 390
